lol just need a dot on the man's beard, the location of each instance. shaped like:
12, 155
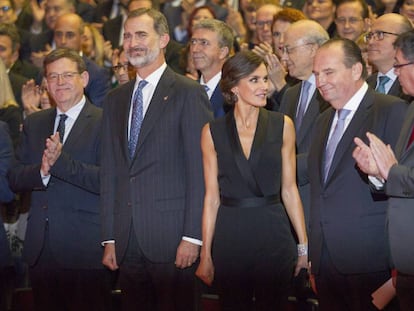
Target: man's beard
141, 61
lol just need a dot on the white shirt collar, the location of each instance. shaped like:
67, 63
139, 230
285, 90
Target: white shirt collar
74, 111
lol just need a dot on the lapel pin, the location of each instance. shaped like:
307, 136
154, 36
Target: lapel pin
166, 97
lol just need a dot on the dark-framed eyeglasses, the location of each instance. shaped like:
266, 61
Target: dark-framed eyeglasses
125, 66
398, 66
378, 35
290, 49
66, 76
262, 24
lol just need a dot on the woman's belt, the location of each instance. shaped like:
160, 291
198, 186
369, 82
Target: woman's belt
250, 202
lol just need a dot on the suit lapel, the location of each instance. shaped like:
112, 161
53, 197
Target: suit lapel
122, 110
79, 127
309, 117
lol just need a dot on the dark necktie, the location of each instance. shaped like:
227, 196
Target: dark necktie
381, 85
304, 95
335, 138
411, 139
61, 126
137, 117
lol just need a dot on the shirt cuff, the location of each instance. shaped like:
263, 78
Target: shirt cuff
191, 240
107, 242
45, 179
378, 183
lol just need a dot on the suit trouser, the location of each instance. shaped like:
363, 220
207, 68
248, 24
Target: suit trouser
346, 292
55, 288
405, 291
150, 286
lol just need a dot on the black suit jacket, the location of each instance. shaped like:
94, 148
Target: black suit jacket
400, 189
395, 89
345, 215
316, 106
70, 202
160, 191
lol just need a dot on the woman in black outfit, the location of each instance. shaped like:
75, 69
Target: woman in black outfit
249, 169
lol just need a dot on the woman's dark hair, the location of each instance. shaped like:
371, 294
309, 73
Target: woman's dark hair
236, 68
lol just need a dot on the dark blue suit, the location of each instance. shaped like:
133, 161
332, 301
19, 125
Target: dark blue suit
347, 223
218, 103
63, 230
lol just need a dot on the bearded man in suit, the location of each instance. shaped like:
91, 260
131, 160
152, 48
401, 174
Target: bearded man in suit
152, 182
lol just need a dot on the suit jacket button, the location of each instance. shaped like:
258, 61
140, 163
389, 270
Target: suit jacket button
132, 179
129, 204
44, 206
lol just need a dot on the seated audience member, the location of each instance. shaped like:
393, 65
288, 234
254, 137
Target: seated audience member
182, 32
121, 67
384, 31
174, 10
10, 42
407, 10
9, 109
45, 17
93, 44
323, 12
68, 32
36, 98
248, 12
351, 19
264, 20
388, 6
281, 23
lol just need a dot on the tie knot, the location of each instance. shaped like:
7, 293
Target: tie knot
383, 80
142, 84
343, 113
63, 117
206, 87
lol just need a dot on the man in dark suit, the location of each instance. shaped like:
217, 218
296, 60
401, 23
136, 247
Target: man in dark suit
68, 34
393, 174
348, 245
152, 185
302, 102
210, 46
62, 243
381, 52
6, 195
